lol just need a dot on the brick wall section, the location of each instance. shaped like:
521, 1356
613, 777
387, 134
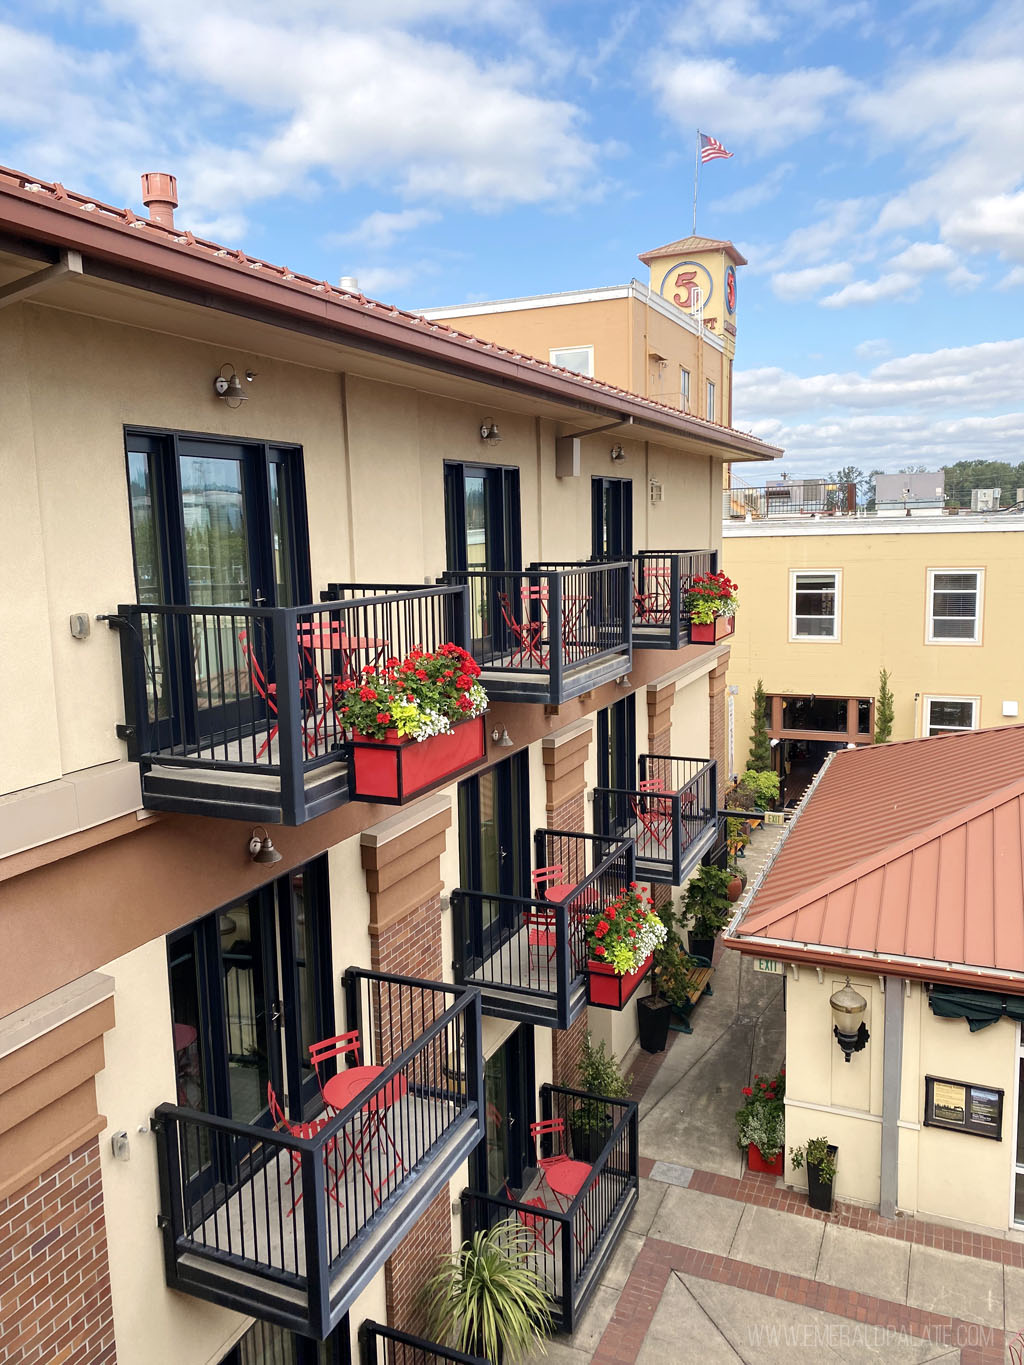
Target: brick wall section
716, 698
566, 1049
414, 1262
54, 1282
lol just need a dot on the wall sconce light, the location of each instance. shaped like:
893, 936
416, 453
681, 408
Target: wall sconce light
229, 386
501, 738
262, 850
618, 454
848, 1008
489, 432
625, 681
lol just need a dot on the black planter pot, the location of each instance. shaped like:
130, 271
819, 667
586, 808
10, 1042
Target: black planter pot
819, 1192
653, 1017
701, 947
588, 1142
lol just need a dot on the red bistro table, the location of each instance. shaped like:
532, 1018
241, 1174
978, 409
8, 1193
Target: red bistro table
343, 1088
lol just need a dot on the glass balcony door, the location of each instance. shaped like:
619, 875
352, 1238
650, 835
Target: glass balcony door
505, 1155
482, 526
494, 849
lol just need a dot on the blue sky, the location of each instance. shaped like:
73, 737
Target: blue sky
454, 150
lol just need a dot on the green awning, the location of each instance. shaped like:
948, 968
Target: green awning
979, 1008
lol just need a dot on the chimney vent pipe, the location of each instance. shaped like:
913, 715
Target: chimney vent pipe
349, 282
160, 196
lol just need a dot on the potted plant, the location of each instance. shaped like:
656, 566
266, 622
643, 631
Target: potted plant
711, 604
590, 1123
737, 837
654, 1011
620, 940
413, 722
761, 1123
708, 906
821, 1158
487, 1298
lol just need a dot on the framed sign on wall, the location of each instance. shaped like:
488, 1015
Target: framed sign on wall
963, 1107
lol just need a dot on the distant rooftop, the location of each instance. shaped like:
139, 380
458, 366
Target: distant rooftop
864, 524
685, 244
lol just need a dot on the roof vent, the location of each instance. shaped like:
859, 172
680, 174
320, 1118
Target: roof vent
160, 196
349, 282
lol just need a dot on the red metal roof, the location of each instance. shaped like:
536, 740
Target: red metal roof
338, 302
910, 851
685, 244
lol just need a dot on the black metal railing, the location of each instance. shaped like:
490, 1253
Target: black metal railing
529, 956
290, 1229
549, 633
790, 498
572, 1239
661, 582
670, 814
245, 696
380, 1345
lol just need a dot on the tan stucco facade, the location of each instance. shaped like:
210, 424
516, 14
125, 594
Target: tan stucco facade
883, 617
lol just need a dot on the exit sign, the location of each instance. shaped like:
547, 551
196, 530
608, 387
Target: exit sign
771, 965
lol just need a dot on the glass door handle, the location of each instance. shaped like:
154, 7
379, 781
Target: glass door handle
276, 1014
258, 599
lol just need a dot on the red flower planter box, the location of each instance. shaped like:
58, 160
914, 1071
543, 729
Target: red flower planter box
756, 1162
610, 991
721, 627
397, 768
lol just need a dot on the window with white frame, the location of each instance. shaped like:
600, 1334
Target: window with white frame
711, 401
943, 714
578, 358
684, 389
954, 606
814, 604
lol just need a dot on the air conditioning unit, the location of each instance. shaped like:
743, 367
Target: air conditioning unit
657, 491
984, 499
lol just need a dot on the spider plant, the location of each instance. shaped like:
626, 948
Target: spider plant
487, 1299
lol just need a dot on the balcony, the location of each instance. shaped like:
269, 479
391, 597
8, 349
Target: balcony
229, 711
670, 815
661, 580
572, 1244
291, 1230
551, 632
379, 1345
529, 957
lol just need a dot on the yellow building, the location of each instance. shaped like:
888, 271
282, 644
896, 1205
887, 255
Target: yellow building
229, 490
827, 602
672, 339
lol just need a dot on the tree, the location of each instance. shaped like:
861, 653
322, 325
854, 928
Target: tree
883, 709
965, 475
850, 473
760, 749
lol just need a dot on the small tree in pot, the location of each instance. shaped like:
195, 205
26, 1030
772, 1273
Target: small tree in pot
708, 907
590, 1123
821, 1158
671, 966
487, 1298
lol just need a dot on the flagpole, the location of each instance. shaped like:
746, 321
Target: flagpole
696, 173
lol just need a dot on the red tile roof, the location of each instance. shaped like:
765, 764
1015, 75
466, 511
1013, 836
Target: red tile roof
341, 302
910, 853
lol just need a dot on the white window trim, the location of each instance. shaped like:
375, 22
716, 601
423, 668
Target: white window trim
929, 637
1015, 1169
926, 721
710, 399
555, 350
835, 639
685, 398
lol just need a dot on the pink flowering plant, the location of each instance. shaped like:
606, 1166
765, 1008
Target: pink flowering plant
424, 694
625, 932
711, 595
762, 1120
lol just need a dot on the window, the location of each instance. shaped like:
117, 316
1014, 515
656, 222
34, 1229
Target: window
814, 613
578, 358
943, 714
954, 606
684, 389
711, 401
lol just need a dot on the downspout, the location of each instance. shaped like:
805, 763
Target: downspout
892, 1074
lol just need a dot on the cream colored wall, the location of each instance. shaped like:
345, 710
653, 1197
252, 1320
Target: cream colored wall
679, 347
826, 1095
152, 1325
883, 624
691, 719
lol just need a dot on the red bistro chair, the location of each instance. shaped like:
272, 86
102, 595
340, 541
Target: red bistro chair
300, 1130
532, 1222
526, 634
339, 1090
651, 812
268, 692
563, 1176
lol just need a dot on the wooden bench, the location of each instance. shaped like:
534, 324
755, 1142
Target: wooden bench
698, 984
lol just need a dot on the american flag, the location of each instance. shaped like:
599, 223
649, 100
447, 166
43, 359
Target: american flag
711, 149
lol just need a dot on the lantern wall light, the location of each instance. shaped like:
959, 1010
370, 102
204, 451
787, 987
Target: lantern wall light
848, 1008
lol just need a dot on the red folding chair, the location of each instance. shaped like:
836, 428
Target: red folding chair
533, 1223
338, 1090
268, 692
563, 1175
543, 924
527, 635
301, 1130
653, 814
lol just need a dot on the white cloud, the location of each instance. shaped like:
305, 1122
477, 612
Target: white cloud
873, 348
811, 244
757, 111
986, 376
380, 229
921, 257
802, 284
887, 442
761, 192
1013, 278
993, 223
897, 284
